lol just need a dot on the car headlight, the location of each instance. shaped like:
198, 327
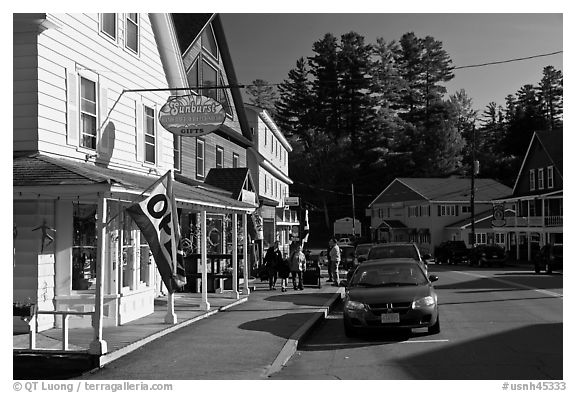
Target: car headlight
424, 302
351, 305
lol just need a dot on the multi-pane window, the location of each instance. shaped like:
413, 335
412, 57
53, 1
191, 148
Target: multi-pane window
149, 135
177, 152
219, 157
265, 184
209, 79
499, 238
550, 176
447, 210
532, 180
88, 113
235, 160
108, 25
418, 211
540, 178
200, 158
132, 32
466, 209
480, 238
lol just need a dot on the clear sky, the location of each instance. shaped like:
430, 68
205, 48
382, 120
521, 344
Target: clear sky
267, 45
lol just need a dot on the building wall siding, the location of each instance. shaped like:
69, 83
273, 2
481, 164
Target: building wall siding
77, 46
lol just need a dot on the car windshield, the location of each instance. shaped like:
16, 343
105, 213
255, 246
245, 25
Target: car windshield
361, 250
393, 252
402, 274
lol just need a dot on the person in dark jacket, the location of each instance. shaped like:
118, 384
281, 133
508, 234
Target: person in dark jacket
273, 260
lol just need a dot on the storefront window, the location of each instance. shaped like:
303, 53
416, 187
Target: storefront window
145, 260
84, 249
128, 252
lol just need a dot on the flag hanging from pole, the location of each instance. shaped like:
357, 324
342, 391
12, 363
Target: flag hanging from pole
157, 218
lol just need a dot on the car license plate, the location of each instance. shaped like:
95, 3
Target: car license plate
390, 318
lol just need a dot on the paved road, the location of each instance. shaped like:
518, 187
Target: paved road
496, 324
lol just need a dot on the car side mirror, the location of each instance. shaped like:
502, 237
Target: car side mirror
427, 256
433, 278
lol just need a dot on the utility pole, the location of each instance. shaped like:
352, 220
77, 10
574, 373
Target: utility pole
353, 214
473, 170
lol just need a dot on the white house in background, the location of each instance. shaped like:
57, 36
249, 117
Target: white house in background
268, 163
85, 148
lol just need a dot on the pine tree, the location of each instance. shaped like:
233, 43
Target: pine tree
263, 95
550, 93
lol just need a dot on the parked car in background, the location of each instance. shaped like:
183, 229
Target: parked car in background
549, 258
451, 252
346, 257
344, 241
398, 250
487, 255
390, 293
361, 252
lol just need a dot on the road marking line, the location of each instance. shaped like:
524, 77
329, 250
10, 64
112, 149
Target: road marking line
424, 341
377, 342
522, 286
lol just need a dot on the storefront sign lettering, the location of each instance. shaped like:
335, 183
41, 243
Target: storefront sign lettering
192, 115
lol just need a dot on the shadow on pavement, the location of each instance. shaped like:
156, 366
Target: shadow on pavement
533, 352
282, 326
490, 284
302, 298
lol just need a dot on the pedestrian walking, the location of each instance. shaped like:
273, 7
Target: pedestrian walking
284, 273
335, 257
297, 267
272, 261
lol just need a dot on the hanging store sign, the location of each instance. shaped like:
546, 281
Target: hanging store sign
292, 201
498, 219
192, 115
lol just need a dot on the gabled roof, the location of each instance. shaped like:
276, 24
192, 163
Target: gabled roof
451, 189
552, 144
188, 28
230, 179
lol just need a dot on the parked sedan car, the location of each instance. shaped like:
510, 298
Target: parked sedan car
487, 255
344, 241
398, 250
451, 252
549, 258
390, 294
361, 252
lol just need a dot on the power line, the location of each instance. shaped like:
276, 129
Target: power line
508, 61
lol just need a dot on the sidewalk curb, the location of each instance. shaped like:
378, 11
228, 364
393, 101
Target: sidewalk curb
292, 344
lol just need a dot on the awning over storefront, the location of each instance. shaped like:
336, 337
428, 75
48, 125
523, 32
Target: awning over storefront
38, 173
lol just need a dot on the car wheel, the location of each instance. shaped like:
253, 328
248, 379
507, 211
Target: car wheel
435, 329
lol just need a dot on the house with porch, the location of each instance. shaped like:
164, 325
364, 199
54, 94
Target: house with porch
537, 197
419, 209
87, 143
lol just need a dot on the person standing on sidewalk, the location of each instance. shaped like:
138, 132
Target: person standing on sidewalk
297, 266
329, 263
335, 257
273, 260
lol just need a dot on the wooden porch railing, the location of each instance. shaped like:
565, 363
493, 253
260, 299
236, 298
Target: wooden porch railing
33, 323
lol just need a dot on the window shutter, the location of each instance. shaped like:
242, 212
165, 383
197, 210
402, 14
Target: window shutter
72, 108
457, 208
439, 213
470, 238
159, 139
104, 136
139, 131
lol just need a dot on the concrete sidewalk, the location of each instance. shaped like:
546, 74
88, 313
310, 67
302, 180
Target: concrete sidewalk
267, 324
